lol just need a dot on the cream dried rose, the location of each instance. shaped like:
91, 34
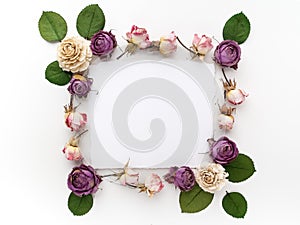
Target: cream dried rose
211, 178
74, 54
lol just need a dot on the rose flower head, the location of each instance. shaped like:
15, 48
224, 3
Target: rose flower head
167, 44
201, 46
223, 151
232, 94
80, 85
228, 54
170, 176
103, 43
153, 184
72, 150
74, 54
129, 176
211, 178
139, 37
225, 118
184, 178
83, 180
73, 119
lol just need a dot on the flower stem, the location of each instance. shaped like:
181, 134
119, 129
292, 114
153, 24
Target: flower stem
71, 101
225, 77
83, 132
184, 45
121, 55
109, 175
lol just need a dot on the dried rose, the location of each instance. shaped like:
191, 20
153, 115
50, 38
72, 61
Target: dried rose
103, 43
72, 150
129, 176
170, 176
153, 184
83, 180
233, 95
74, 54
139, 37
167, 44
236, 96
201, 46
184, 178
228, 54
75, 120
80, 85
223, 151
211, 178
226, 119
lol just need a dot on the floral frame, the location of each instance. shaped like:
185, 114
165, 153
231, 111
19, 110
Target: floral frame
197, 185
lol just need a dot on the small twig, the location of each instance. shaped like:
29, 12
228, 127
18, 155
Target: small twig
121, 55
226, 77
185, 46
79, 135
109, 175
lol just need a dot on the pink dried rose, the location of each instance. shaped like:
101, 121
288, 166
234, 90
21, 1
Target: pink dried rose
129, 176
167, 44
73, 119
233, 95
153, 184
72, 150
201, 46
139, 37
225, 118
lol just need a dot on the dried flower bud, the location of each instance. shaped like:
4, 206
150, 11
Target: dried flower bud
201, 46
225, 119
233, 95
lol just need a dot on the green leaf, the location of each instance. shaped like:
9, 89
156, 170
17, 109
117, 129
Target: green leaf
90, 20
194, 200
80, 205
237, 28
52, 26
235, 204
240, 169
55, 74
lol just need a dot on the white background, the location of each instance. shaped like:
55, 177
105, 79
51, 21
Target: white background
33, 170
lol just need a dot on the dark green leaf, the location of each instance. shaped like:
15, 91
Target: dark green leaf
90, 20
52, 26
235, 204
237, 28
80, 205
240, 169
55, 74
194, 200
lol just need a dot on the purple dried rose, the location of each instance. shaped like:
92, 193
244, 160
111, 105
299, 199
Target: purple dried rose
223, 151
83, 180
80, 85
170, 176
182, 177
103, 43
228, 54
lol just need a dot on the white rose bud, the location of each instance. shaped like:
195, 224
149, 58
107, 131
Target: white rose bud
225, 119
233, 95
236, 96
